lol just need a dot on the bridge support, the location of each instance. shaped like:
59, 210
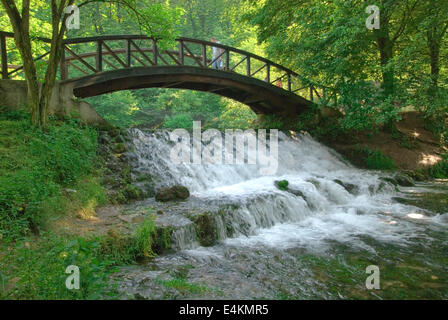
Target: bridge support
62, 102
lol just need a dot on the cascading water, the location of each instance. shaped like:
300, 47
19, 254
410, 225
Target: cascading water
328, 202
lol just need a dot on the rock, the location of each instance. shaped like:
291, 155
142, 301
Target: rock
172, 193
67, 190
118, 148
206, 229
159, 212
350, 187
404, 180
296, 192
131, 192
389, 180
131, 218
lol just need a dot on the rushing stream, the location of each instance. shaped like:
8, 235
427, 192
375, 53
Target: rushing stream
313, 240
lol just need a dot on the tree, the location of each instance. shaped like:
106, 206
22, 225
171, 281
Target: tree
39, 95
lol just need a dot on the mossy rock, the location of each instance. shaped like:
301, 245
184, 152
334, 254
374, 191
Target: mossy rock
404, 180
131, 192
282, 184
350, 187
172, 193
206, 229
162, 239
118, 148
389, 180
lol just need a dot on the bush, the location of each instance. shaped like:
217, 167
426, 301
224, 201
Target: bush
440, 169
373, 159
179, 121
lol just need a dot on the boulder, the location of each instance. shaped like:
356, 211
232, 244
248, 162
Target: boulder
350, 187
404, 180
172, 193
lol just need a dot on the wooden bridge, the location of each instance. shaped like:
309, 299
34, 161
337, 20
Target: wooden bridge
103, 64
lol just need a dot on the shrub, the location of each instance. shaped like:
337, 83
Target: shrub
440, 169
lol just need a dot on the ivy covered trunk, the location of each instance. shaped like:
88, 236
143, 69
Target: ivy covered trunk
38, 96
385, 47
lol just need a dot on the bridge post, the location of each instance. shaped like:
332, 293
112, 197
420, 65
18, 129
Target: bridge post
4, 56
181, 52
128, 53
155, 50
227, 60
204, 55
268, 73
248, 66
311, 93
99, 56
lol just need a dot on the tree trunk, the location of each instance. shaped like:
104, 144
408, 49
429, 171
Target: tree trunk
385, 46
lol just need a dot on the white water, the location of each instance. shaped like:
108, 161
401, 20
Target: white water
267, 216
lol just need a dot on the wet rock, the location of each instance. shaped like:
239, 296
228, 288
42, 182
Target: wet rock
296, 192
159, 212
206, 229
404, 180
172, 193
350, 187
131, 218
118, 148
389, 180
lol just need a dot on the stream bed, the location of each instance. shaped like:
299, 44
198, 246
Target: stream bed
239, 236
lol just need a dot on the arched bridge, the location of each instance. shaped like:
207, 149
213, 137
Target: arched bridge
103, 64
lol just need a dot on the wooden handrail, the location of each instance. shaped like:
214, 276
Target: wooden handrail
135, 52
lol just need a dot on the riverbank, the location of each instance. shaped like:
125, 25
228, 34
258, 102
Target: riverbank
408, 146
97, 215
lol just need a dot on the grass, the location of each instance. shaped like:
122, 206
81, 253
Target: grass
37, 168
45, 175
182, 285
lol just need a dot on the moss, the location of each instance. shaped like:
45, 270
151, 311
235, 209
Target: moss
118, 147
206, 229
282, 185
172, 193
132, 192
435, 202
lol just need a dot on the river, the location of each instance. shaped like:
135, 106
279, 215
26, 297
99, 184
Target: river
312, 241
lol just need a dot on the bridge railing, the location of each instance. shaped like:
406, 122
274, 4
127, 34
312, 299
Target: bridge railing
90, 55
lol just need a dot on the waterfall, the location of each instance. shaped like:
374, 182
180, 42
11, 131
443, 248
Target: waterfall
327, 198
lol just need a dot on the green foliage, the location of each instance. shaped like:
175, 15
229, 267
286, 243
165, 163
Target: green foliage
440, 169
374, 73
184, 121
36, 269
375, 159
36, 166
283, 185
270, 122
145, 238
